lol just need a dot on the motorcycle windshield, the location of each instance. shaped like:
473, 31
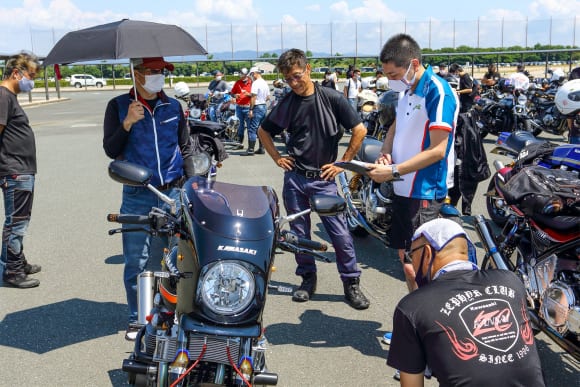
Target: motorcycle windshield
231, 210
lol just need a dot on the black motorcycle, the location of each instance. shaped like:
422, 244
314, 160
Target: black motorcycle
202, 313
503, 110
224, 130
543, 112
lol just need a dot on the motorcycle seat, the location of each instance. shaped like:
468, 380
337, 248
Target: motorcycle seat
562, 223
208, 127
520, 139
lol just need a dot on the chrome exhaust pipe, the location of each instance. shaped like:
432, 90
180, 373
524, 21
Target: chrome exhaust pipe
145, 292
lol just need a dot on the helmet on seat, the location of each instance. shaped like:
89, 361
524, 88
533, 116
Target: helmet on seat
568, 98
387, 107
181, 89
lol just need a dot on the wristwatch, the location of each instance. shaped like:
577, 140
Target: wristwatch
395, 172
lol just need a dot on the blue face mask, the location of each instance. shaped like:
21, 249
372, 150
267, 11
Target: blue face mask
25, 85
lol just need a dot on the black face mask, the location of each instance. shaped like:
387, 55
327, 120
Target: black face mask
420, 279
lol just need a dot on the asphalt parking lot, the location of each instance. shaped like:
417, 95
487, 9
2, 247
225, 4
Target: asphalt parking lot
69, 331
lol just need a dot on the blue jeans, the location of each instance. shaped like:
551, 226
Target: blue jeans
18, 197
353, 103
296, 193
258, 117
138, 246
242, 114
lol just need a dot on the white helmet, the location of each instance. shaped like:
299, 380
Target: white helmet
181, 89
568, 97
382, 83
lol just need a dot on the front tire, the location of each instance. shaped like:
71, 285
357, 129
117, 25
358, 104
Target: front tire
78, 85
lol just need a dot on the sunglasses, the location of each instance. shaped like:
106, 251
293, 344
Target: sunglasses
408, 256
295, 77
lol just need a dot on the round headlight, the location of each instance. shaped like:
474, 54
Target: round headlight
201, 163
227, 288
522, 99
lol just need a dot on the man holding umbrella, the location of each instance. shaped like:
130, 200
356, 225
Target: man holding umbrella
148, 129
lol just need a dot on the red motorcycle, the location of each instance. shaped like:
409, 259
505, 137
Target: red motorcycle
540, 242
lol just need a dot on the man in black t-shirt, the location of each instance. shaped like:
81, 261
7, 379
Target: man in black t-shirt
470, 327
17, 169
491, 77
312, 116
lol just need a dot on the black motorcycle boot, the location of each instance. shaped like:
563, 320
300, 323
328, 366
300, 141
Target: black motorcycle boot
354, 295
260, 150
306, 289
21, 281
250, 150
31, 268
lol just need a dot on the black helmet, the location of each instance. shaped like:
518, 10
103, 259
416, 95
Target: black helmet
574, 74
387, 107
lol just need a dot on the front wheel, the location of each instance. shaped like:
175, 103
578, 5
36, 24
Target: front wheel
495, 204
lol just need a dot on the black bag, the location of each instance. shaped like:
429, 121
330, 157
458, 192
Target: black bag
539, 190
469, 149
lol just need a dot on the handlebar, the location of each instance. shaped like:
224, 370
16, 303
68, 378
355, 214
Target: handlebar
128, 219
294, 239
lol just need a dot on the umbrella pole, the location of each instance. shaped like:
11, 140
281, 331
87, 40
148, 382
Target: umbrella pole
133, 77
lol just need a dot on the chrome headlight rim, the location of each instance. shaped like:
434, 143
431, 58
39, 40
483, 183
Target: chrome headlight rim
214, 281
201, 163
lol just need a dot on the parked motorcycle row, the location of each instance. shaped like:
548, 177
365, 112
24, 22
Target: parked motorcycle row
201, 315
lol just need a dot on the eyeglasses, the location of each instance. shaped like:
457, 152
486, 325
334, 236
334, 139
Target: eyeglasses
31, 76
408, 256
295, 77
147, 71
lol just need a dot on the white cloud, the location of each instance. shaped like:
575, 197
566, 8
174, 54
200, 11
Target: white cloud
554, 8
368, 11
313, 8
289, 19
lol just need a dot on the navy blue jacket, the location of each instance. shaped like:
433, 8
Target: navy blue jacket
160, 141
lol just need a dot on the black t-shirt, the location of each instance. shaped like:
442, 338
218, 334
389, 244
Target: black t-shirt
471, 328
465, 82
313, 124
17, 145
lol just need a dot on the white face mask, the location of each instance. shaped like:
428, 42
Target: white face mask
218, 78
403, 84
154, 83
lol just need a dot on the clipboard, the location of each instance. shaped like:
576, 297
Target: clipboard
354, 166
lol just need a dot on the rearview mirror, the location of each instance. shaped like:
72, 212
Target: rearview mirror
327, 205
130, 174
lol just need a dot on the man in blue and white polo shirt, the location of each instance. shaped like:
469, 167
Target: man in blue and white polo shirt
419, 145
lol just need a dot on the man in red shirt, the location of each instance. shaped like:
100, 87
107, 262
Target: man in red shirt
242, 93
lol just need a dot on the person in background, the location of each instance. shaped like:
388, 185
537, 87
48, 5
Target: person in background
574, 122
465, 89
260, 96
17, 169
352, 87
442, 70
328, 80
465, 326
313, 116
215, 92
491, 77
242, 92
148, 129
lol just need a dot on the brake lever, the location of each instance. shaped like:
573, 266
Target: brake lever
122, 230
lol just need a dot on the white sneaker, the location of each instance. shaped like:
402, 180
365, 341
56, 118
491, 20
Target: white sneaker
397, 375
387, 338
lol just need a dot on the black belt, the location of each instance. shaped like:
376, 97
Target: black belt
309, 173
177, 183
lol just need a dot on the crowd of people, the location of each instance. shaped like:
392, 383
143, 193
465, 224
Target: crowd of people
430, 335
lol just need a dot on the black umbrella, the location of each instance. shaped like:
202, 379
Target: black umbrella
123, 39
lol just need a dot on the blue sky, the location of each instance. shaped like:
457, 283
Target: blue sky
35, 24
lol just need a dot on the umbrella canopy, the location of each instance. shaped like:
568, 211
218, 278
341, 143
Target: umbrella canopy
123, 39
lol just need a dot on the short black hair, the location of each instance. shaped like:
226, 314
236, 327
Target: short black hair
455, 67
400, 49
442, 65
291, 58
